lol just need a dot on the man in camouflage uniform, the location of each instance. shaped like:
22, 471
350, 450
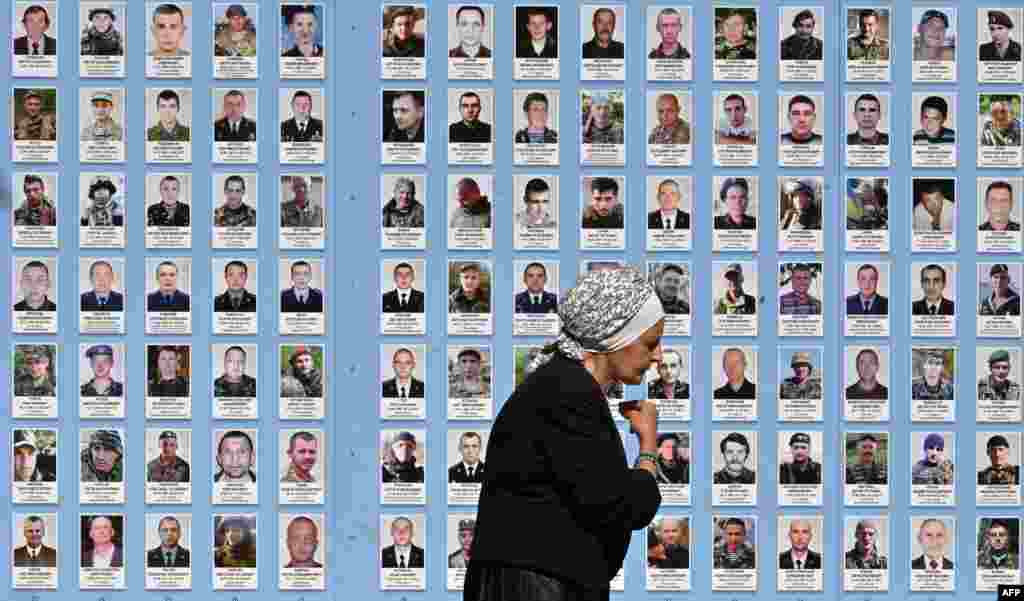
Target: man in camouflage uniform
237, 38
933, 468
36, 209
932, 385
468, 298
35, 125
36, 380
101, 358
599, 127
669, 385
866, 471
1001, 472
732, 43
668, 281
302, 378
101, 461
167, 467
467, 380
733, 552
997, 385
234, 212
865, 553
301, 211
167, 128
103, 127
867, 46
801, 385
1003, 300
302, 455
802, 469
996, 552
234, 382
101, 38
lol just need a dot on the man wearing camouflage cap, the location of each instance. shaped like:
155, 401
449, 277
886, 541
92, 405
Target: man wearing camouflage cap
933, 384
866, 470
1001, 472
103, 210
36, 124
101, 461
460, 558
101, 38
35, 377
933, 467
101, 359
168, 466
802, 469
930, 41
801, 385
735, 301
801, 205
799, 300
1001, 48
997, 384
1003, 300
103, 127
237, 38
27, 453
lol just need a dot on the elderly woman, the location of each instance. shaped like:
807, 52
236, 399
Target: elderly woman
559, 501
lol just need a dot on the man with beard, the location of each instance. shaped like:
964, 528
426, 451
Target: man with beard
302, 378
103, 127
101, 461
404, 298
234, 126
867, 385
605, 211
35, 42
466, 380
802, 45
100, 38
934, 111
103, 210
403, 209
167, 466
238, 38
404, 385
1001, 472
932, 537
865, 554
302, 126
933, 467
668, 281
102, 383
472, 209
470, 25
800, 556
671, 555
407, 112
539, 41
401, 39
598, 126
167, 296
997, 384
734, 125
169, 212
235, 297
35, 553
799, 300
303, 25
400, 460
403, 553
471, 469
930, 41
103, 552
933, 285
302, 297
671, 128
102, 297
672, 467
865, 470
1002, 128
802, 210
801, 385
471, 128
802, 115
468, 297
536, 198
1003, 300
534, 299
735, 301
165, 381
27, 456
802, 469
302, 540
732, 43
735, 198
999, 206
301, 210
303, 449
669, 384
668, 215
234, 212
535, 108
602, 45
735, 451
932, 384
1001, 48
35, 125
35, 284
234, 382
460, 558
867, 112
996, 553
169, 554
37, 380
168, 31
737, 386
669, 26
867, 204
235, 454
733, 552
36, 209
167, 128
867, 45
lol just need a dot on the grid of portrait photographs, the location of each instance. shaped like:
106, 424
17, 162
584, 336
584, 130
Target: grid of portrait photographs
179, 313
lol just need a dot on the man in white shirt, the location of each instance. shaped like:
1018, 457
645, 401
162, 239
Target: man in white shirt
471, 469
402, 553
404, 385
800, 556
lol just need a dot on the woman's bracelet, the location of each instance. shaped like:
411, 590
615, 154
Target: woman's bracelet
652, 457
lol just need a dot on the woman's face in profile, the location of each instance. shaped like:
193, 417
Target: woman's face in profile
629, 364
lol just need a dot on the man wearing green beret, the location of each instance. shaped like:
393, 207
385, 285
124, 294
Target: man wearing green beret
997, 384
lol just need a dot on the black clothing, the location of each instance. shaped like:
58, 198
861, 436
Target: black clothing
614, 50
746, 391
479, 133
987, 52
246, 304
811, 562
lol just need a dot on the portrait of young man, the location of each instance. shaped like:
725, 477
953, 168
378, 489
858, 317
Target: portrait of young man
404, 384
470, 25
35, 42
535, 299
867, 386
102, 383
33, 121
1002, 47
403, 298
470, 470
168, 128
470, 128
302, 297
238, 36
401, 40
36, 208
103, 127
303, 27
302, 126
537, 36
170, 554
101, 37
403, 552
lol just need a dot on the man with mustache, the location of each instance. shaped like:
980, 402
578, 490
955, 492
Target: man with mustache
1001, 472
997, 384
933, 467
1001, 128
1001, 48
999, 206
802, 45
34, 553
599, 127
302, 378
735, 451
866, 470
303, 449
101, 460
168, 466
602, 45
865, 554
399, 464
930, 41
604, 211
401, 39
27, 454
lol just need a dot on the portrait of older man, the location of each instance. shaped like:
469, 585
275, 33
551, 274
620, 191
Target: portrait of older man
735, 450
668, 215
167, 296
671, 128
103, 549
800, 556
102, 459
234, 126
472, 208
1002, 126
932, 537
669, 26
302, 126
1001, 471
867, 467
470, 25
34, 553
403, 209
603, 44
302, 537
302, 209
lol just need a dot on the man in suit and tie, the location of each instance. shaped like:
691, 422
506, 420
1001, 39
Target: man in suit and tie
933, 284
235, 298
104, 552
35, 553
167, 297
169, 554
234, 126
933, 538
102, 297
668, 215
535, 299
867, 301
404, 384
403, 553
471, 469
404, 298
800, 556
303, 126
301, 297
35, 42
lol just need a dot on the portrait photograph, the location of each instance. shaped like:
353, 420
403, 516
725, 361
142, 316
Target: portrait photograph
867, 290
303, 286
734, 288
469, 377
933, 550
169, 285
535, 124
34, 374
866, 544
34, 119
301, 37
867, 214
168, 203
404, 31
101, 374
470, 41
669, 44
103, 36
101, 118
234, 544
234, 280
801, 292
35, 544
403, 373
169, 40
403, 457
235, 40
303, 371
101, 210
302, 551
668, 384
536, 29
34, 218
403, 286
536, 294
170, 370
736, 34
800, 213
522, 361
34, 39
800, 541
34, 282
402, 544
403, 210
460, 528
403, 123
866, 373
168, 545
103, 538
801, 126
235, 114
801, 376
303, 211
999, 51
734, 542
933, 385
302, 456
997, 544
235, 369
535, 211
673, 282
668, 544
734, 372
470, 209
999, 289
469, 287
168, 125
866, 459
868, 40
101, 284
868, 129
669, 135
999, 213
998, 376
603, 116
801, 45
169, 458
934, 43
736, 207
997, 457
303, 125
465, 458
603, 33
470, 118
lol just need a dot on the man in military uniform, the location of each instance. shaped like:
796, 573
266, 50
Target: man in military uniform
997, 384
668, 281
867, 46
735, 301
671, 128
1002, 127
101, 359
35, 125
799, 300
27, 466
303, 25
234, 212
35, 377
35, 284
103, 127
302, 126
103, 210
866, 470
1003, 300
669, 383
933, 468
101, 461
672, 467
470, 469
999, 206
932, 385
302, 378
234, 126
303, 449
735, 451
865, 554
599, 127
460, 558
996, 552
401, 39
235, 297
466, 380
468, 297
399, 464
165, 381
604, 210
301, 210
735, 198
732, 43
930, 41
169, 212
802, 469
167, 466
100, 38
802, 45
235, 543
1001, 48
36, 209
802, 207
168, 31
234, 382
733, 552
1001, 472
801, 385
237, 38
167, 128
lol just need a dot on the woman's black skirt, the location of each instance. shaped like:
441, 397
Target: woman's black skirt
501, 583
